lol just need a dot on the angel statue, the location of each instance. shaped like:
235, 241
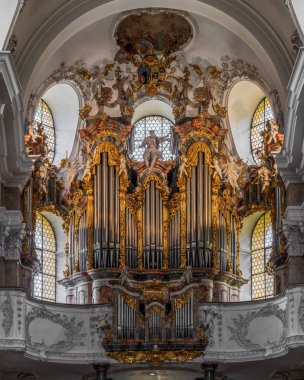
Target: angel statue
151, 145
231, 171
216, 168
122, 166
184, 166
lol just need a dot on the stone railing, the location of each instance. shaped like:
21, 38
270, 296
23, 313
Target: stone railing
73, 333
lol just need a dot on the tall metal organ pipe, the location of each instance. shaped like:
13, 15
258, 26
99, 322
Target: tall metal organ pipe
222, 241
83, 241
152, 229
198, 211
233, 243
174, 241
131, 240
106, 215
72, 244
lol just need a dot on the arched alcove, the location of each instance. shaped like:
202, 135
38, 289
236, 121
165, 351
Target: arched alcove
151, 108
64, 105
243, 100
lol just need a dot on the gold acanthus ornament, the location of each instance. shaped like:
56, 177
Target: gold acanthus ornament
155, 356
182, 300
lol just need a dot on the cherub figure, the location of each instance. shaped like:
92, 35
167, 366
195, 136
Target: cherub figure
44, 175
265, 175
184, 167
87, 171
231, 172
215, 165
122, 166
71, 174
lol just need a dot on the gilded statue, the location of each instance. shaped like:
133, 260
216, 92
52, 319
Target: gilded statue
35, 140
272, 139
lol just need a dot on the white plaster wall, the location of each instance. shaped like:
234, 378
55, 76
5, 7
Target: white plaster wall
64, 104
242, 103
9, 10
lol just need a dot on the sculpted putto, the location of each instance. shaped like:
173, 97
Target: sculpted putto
231, 171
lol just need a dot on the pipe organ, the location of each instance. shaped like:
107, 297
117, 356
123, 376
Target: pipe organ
154, 238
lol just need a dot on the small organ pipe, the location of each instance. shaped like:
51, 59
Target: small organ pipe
193, 216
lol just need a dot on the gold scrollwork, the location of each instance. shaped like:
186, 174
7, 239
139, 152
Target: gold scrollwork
155, 309
155, 356
111, 149
131, 302
194, 149
182, 299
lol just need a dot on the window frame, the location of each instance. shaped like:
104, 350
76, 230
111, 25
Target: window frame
265, 248
253, 151
42, 249
46, 127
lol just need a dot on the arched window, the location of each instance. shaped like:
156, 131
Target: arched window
261, 245
262, 114
44, 282
44, 116
161, 126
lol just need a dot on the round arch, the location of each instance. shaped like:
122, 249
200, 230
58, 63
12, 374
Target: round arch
64, 102
241, 102
242, 22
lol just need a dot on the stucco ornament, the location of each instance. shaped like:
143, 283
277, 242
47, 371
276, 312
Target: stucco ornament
72, 335
206, 320
8, 315
301, 313
295, 239
241, 325
11, 238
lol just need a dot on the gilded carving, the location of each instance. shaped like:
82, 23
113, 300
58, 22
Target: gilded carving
155, 356
182, 299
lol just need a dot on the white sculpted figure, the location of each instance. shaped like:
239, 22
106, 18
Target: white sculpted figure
71, 174
184, 166
151, 145
216, 168
87, 171
265, 175
231, 171
122, 166
44, 174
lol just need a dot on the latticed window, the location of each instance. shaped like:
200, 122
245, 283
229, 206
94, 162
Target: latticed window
261, 244
262, 114
162, 128
44, 282
44, 116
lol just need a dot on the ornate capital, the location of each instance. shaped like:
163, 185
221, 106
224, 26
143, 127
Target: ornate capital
294, 239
